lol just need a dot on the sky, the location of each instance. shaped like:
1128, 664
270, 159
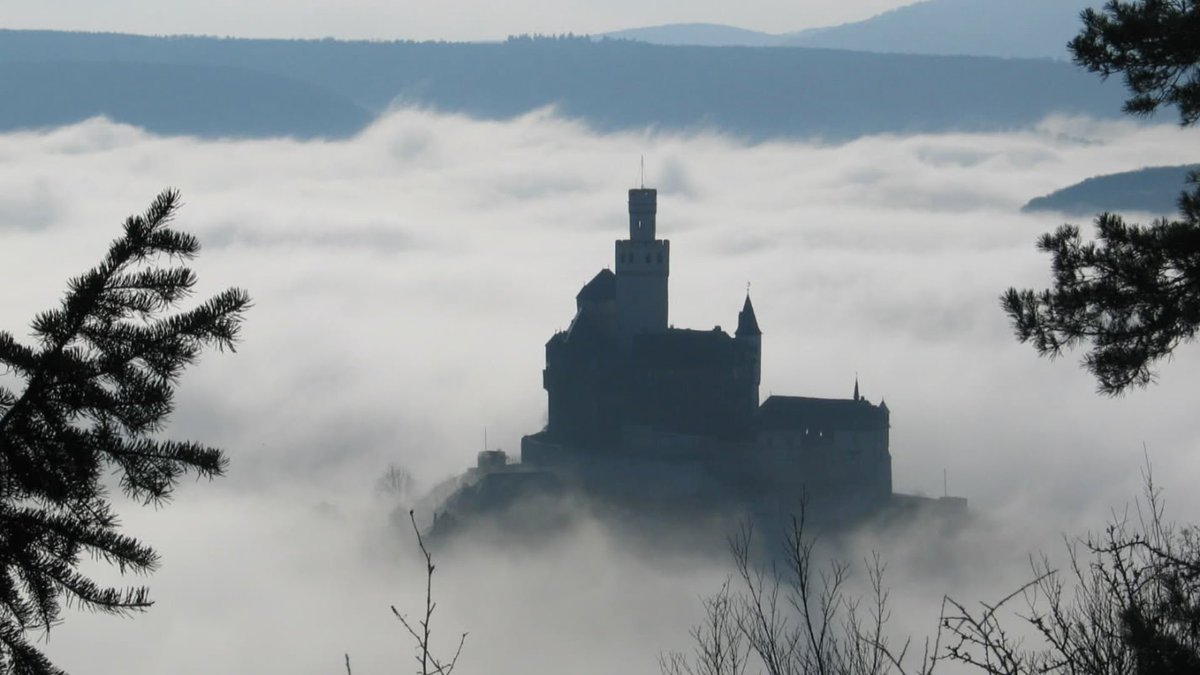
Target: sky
422, 20
405, 281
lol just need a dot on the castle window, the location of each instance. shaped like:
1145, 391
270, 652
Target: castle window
647, 258
660, 257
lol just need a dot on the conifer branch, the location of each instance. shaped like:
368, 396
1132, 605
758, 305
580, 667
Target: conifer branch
98, 381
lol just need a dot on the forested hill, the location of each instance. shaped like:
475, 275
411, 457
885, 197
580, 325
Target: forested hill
755, 93
1152, 190
173, 99
1008, 28
1012, 28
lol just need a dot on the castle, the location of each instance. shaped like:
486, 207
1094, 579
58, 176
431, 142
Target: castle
639, 410
663, 424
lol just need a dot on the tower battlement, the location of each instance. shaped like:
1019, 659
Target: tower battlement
643, 264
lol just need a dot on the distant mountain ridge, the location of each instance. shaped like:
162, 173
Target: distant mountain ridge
1003, 28
699, 35
1153, 190
166, 98
323, 87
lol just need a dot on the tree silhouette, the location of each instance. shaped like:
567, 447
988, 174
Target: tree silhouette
98, 387
1153, 44
1134, 293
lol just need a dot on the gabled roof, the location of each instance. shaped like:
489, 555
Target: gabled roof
602, 287
747, 322
833, 414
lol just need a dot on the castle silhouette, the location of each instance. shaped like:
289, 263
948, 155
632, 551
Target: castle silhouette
625, 387
646, 416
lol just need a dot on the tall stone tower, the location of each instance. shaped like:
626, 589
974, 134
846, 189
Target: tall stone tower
643, 263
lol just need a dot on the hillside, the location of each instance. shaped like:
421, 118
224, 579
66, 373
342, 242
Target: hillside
754, 93
1003, 28
166, 98
1152, 190
698, 35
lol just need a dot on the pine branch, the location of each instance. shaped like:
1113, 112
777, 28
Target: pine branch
99, 381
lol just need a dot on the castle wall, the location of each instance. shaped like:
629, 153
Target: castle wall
851, 466
701, 401
582, 388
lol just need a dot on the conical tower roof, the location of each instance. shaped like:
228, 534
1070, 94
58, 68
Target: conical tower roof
747, 322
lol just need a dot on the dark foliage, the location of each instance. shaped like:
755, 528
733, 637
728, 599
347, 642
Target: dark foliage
1155, 44
97, 388
1134, 293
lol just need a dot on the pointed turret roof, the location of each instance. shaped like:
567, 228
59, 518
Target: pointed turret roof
856, 396
602, 287
747, 322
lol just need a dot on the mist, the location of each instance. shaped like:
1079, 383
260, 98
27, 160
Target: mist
405, 281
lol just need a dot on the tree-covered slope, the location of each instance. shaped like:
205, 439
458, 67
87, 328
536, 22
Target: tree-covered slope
699, 34
168, 98
1152, 190
756, 93
1006, 28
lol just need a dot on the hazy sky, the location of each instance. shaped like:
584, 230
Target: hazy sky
405, 282
422, 19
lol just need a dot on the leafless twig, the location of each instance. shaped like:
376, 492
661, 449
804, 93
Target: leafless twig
430, 664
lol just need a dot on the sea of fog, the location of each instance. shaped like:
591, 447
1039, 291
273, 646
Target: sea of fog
405, 282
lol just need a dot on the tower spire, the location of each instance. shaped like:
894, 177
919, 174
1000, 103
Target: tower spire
747, 322
856, 396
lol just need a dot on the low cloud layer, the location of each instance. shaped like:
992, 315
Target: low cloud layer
406, 280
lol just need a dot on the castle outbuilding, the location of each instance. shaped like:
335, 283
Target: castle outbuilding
635, 404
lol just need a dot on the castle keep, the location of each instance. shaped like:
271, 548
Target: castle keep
639, 407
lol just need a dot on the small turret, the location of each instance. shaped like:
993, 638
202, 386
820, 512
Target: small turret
747, 322
749, 335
